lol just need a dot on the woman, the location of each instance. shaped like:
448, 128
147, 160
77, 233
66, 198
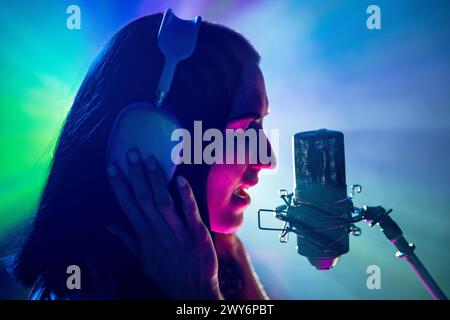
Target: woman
134, 237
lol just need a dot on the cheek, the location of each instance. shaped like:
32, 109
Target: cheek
220, 177
222, 180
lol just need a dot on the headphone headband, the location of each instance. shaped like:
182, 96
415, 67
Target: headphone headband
176, 40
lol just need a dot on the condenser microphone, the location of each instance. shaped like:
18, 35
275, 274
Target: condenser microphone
322, 210
318, 211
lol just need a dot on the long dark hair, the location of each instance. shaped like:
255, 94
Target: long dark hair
77, 202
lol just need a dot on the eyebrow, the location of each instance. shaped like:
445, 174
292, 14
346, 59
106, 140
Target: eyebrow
263, 109
253, 115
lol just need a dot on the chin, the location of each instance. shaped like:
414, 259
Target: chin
228, 227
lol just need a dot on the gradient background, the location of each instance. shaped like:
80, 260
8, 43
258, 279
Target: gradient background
387, 90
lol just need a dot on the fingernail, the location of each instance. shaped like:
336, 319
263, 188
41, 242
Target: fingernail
112, 170
133, 156
151, 163
182, 182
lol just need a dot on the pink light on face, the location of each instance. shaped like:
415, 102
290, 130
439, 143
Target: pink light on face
226, 185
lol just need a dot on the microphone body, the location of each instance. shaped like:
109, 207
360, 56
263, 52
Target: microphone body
320, 197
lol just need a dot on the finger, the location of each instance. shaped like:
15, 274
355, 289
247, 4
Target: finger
138, 181
161, 194
189, 205
126, 199
158, 183
127, 239
143, 192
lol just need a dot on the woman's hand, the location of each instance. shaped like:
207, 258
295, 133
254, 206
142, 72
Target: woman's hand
176, 251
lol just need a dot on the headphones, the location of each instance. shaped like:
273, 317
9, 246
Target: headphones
148, 127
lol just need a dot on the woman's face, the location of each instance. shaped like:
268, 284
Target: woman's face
226, 185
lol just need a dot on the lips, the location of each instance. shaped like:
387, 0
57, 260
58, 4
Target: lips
240, 198
240, 192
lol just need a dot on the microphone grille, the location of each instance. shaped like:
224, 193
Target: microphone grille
319, 165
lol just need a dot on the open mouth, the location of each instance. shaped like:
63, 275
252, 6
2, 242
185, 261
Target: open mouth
240, 192
240, 198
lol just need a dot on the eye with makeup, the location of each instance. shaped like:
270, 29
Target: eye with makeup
246, 123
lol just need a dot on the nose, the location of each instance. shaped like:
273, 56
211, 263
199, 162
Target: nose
266, 156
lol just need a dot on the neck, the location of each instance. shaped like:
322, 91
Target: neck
238, 279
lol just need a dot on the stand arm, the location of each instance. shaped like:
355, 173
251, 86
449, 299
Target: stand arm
392, 231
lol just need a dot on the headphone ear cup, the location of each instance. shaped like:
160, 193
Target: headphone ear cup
149, 129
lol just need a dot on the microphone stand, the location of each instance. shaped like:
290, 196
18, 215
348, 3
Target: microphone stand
379, 215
